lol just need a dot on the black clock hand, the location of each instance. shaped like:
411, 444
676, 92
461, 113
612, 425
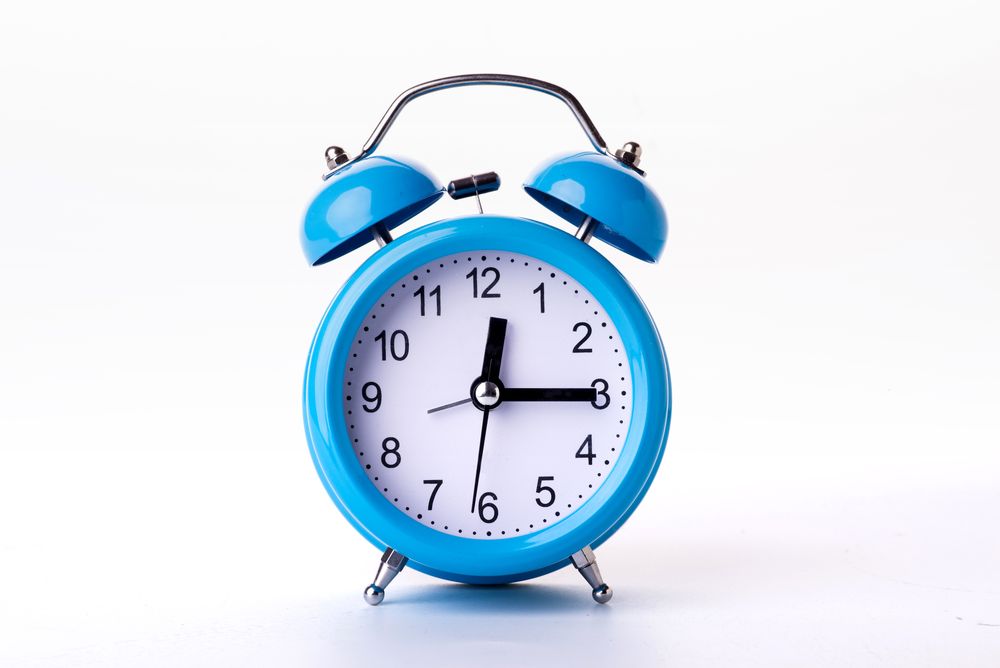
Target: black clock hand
549, 394
534, 394
495, 336
479, 461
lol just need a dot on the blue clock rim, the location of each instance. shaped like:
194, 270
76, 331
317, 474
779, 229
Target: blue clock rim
467, 559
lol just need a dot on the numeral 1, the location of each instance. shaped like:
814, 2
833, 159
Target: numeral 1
540, 291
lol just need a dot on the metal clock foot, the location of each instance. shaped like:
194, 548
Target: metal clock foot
586, 563
392, 563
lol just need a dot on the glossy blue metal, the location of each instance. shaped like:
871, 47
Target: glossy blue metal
592, 184
466, 559
376, 189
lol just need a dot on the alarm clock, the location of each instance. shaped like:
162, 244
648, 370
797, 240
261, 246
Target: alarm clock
487, 399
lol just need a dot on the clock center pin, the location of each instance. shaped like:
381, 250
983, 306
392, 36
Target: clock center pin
487, 394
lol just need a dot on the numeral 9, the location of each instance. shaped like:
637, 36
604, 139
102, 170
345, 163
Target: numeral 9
374, 397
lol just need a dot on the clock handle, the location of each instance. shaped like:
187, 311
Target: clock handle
472, 80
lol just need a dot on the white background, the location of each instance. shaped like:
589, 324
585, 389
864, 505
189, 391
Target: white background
831, 491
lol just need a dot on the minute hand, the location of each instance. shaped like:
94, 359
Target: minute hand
549, 394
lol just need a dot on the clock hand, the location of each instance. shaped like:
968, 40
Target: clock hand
534, 394
495, 337
486, 386
479, 461
549, 394
467, 400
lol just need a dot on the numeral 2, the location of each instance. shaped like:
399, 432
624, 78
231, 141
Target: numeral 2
578, 348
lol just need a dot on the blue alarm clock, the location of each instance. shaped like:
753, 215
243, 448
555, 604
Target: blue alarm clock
486, 399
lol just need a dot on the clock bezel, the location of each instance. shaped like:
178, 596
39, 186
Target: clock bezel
456, 557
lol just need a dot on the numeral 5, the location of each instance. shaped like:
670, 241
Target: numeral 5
545, 489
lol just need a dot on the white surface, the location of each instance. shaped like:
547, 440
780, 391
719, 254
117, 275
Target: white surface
830, 494
524, 441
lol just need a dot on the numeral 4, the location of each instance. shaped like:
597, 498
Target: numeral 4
586, 450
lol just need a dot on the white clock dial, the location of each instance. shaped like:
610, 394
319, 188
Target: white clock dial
422, 346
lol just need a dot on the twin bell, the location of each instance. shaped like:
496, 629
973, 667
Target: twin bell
603, 194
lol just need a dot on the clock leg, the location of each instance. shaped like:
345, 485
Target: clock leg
392, 563
586, 563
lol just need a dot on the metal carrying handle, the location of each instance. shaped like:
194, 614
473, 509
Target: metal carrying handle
471, 80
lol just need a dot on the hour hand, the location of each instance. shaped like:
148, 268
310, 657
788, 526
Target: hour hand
549, 394
495, 336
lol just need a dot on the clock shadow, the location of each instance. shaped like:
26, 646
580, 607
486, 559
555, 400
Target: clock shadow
517, 598
446, 624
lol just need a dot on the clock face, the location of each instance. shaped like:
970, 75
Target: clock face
487, 395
